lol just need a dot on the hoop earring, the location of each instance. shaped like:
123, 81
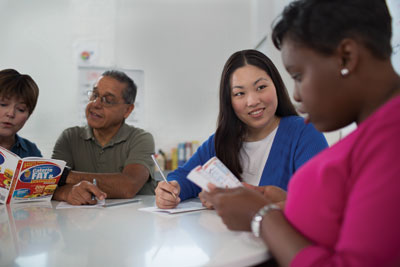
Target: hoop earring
344, 71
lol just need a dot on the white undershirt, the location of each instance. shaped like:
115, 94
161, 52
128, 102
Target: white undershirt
253, 157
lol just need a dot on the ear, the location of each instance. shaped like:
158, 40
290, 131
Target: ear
349, 54
129, 110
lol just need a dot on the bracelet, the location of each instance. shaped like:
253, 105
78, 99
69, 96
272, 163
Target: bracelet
63, 177
256, 222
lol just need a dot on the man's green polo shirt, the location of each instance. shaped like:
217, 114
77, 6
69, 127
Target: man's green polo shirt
131, 145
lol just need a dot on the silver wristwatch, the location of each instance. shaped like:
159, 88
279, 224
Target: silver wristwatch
256, 222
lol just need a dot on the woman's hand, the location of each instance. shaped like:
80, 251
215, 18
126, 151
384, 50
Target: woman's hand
165, 192
236, 206
272, 193
205, 203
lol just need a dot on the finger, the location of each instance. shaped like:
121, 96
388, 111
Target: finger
211, 187
171, 187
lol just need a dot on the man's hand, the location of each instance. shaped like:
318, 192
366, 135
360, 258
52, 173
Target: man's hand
164, 197
82, 192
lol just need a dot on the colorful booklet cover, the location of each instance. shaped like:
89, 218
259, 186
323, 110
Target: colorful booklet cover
27, 179
215, 172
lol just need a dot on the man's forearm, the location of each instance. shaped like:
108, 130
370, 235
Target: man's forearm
116, 185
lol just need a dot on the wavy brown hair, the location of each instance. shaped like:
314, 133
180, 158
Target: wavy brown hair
231, 130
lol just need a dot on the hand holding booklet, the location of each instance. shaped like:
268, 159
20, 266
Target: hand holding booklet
27, 179
214, 172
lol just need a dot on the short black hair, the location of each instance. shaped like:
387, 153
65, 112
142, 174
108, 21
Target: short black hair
322, 24
130, 91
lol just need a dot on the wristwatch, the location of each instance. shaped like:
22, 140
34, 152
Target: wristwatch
256, 222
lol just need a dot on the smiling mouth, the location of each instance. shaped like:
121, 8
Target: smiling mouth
94, 114
256, 112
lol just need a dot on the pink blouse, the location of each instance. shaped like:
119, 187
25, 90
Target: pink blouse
346, 200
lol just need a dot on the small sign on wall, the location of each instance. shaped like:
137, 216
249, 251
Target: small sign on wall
86, 53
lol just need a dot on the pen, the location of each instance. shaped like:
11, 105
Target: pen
162, 174
95, 183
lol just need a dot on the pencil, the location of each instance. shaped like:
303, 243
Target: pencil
161, 172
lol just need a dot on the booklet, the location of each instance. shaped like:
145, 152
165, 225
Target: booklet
27, 179
215, 172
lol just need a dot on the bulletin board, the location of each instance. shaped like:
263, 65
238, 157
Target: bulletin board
88, 77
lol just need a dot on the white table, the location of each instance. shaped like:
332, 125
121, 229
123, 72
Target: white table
33, 235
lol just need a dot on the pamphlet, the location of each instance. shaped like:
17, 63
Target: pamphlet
214, 172
27, 179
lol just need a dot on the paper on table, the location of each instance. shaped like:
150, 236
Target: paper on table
100, 203
182, 207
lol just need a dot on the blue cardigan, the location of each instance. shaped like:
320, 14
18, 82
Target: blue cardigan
295, 142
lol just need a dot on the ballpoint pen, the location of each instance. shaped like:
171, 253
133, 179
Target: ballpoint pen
161, 172
95, 183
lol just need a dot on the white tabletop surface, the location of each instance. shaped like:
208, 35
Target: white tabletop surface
40, 235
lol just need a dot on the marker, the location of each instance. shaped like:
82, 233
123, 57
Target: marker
95, 183
162, 174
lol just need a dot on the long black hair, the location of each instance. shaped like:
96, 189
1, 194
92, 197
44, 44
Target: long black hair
231, 130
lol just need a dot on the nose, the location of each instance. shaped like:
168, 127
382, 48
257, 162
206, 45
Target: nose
252, 99
10, 112
96, 102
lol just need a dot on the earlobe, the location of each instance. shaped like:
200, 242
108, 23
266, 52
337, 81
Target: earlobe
129, 110
348, 53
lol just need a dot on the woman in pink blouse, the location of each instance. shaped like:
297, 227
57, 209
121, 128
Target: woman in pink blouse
342, 206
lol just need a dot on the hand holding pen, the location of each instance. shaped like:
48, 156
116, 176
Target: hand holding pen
166, 192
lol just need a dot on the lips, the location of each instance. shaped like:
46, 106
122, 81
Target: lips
95, 115
256, 112
7, 124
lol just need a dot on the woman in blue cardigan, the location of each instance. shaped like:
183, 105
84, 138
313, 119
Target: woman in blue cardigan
259, 136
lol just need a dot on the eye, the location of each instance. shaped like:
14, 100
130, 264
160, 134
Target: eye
92, 95
109, 100
261, 87
238, 94
296, 77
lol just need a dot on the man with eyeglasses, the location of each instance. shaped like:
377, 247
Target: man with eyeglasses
116, 155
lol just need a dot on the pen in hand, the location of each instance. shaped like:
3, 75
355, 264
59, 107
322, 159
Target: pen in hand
161, 172
95, 183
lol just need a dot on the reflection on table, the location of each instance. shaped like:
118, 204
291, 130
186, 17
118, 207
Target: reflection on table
38, 234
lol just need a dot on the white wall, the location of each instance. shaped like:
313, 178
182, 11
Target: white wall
180, 44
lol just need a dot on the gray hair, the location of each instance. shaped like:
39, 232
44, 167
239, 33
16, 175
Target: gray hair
129, 94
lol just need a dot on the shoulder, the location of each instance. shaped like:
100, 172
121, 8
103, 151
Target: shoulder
294, 130
296, 125
132, 132
29, 146
75, 133
75, 130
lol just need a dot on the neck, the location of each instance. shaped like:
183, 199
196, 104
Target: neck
383, 86
7, 141
254, 135
103, 136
